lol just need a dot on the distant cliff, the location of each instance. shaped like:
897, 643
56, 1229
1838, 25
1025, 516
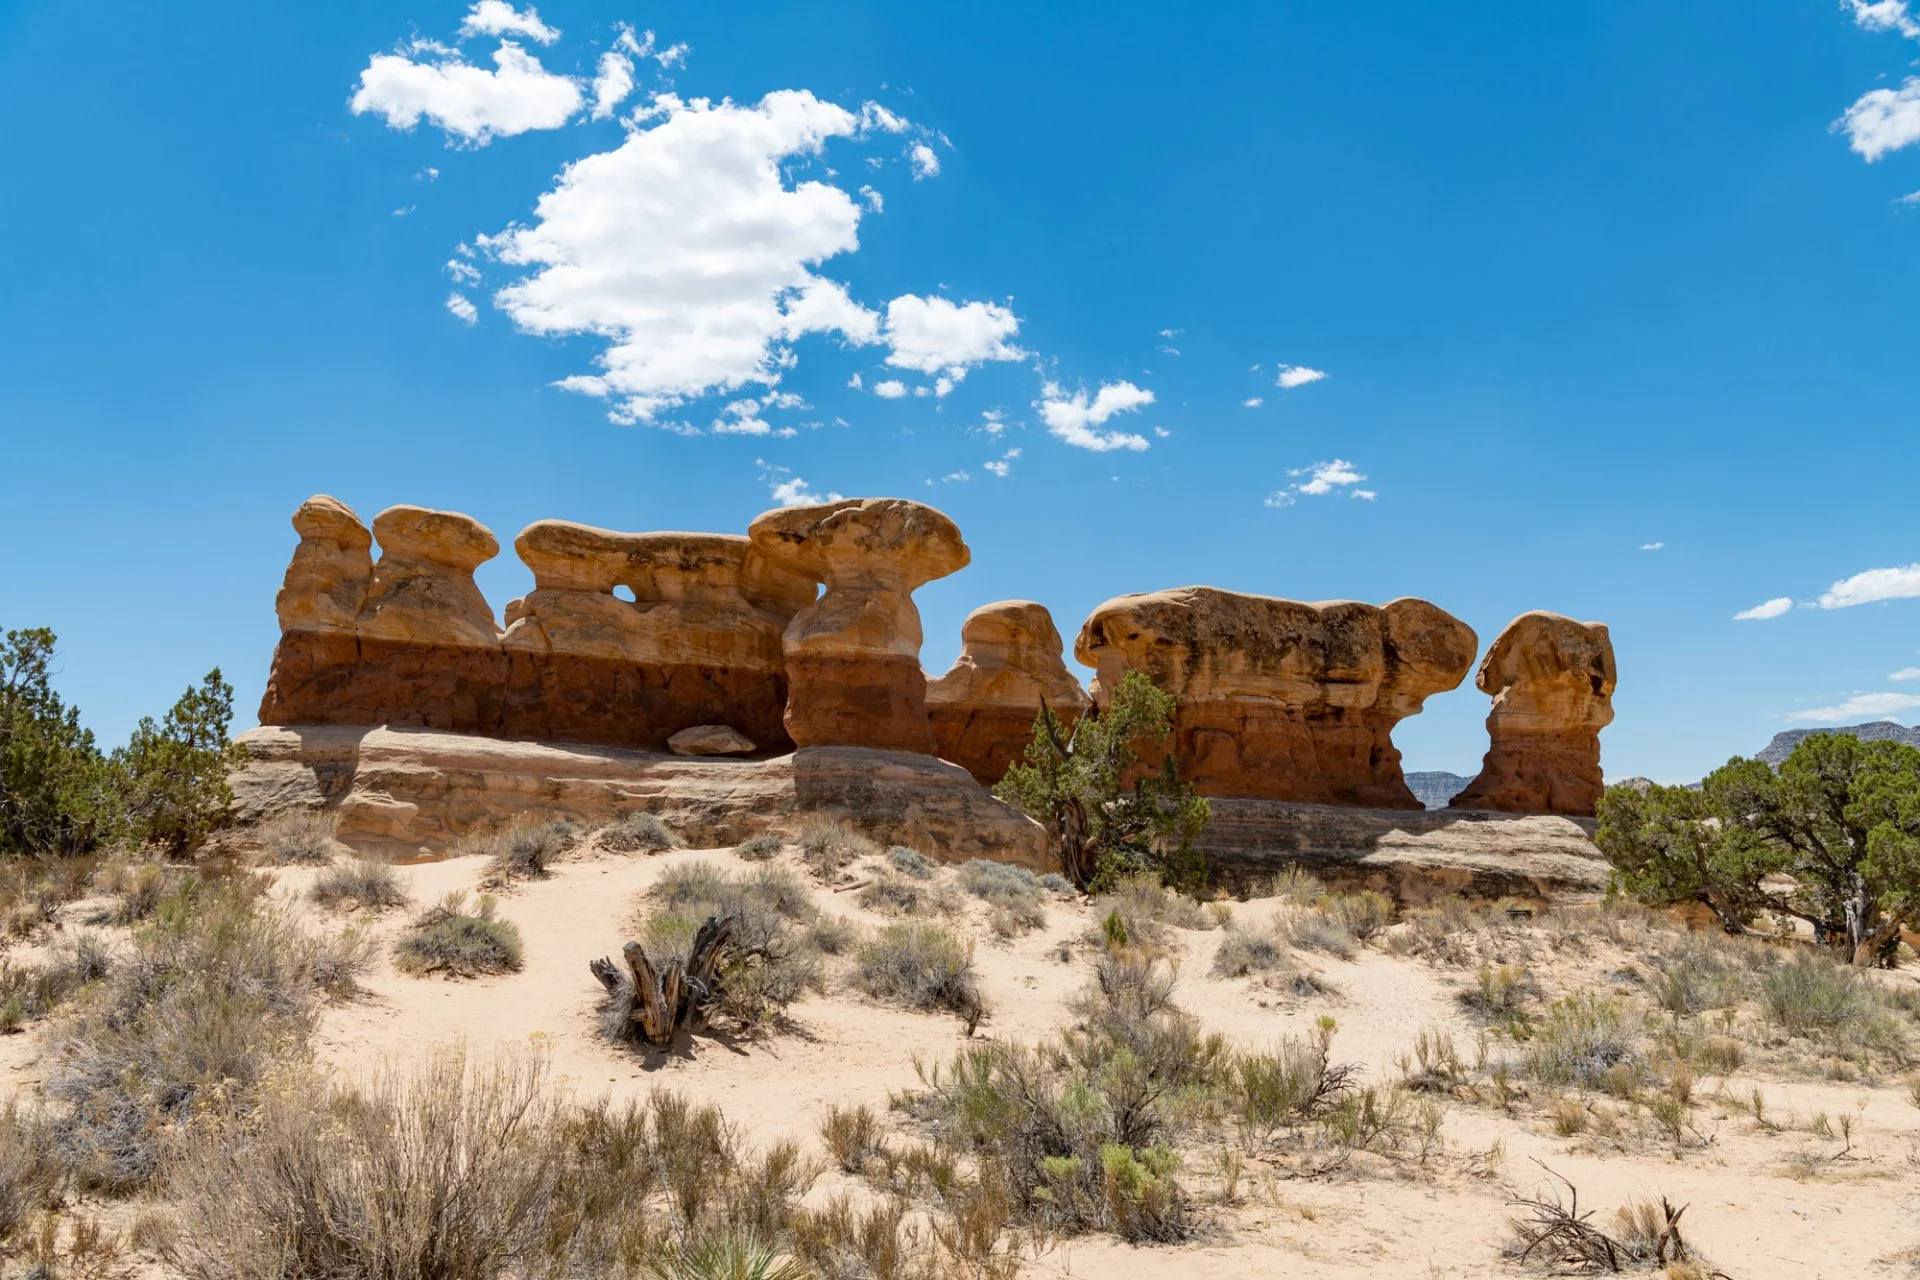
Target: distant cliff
1783, 743
1434, 789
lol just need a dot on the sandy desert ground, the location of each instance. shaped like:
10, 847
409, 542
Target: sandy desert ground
1790, 1197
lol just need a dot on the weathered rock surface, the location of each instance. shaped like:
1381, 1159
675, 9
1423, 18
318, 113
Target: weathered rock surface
699, 643
1552, 683
407, 639
1010, 662
408, 793
1413, 856
709, 740
853, 655
1279, 699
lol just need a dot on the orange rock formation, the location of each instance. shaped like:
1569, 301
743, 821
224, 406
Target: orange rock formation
983, 708
853, 656
1552, 684
1281, 700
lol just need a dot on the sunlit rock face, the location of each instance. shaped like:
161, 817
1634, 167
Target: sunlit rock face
1010, 663
853, 655
1281, 699
1552, 682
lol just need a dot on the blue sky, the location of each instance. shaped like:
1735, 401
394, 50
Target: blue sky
1612, 304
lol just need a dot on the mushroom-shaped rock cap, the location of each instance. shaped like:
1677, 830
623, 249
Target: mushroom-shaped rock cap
863, 542
444, 538
1010, 648
1010, 625
1547, 671
568, 556
322, 517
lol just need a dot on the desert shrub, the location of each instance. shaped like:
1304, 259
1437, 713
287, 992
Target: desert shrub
1552, 1232
854, 1135
461, 943
828, 846
31, 992
193, 1014
644, 833
1362, 914
898, 895
363, 883
1140, 912
1013, 892
1246, 950
921, 967
137, 888
300, 835
1054, 882
1286, 1087
760, 848
832, 935
1314, 931
1081, 1129
1501, 993
771, 962
1584, 1040
909, 862
1813, 994
526, 849
31, 1173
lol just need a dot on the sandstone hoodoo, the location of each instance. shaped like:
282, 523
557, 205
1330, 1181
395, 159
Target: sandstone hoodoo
853, 655
1010, 662
1552, 682
1279, 699
406, 640
699, 643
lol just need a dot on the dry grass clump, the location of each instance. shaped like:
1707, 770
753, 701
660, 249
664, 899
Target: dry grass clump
778, 935
1586, 1040
898, 895
760, 848
1551, 1233
362, 883
33, 889
478, 1169
138, 886
300, 836
31, 992
1014, 893
910, 862
828, 846
642, 833
191, 1015
1140, 913
461, 943
31, 1175
854, 1135
525, 850
1501, 994
921, 967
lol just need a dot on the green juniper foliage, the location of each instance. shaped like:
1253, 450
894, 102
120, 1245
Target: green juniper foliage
1107, 829
1840, 820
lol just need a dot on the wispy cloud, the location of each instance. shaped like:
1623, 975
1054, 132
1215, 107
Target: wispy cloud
1252, 402
1861, 706
790, 490
1652, 546
463, 307
1003, 465
1871, 586
1767, 609
1322, 478
1906, 673
1885, 15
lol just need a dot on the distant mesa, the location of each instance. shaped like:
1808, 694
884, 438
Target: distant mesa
1433, 788
1875, 731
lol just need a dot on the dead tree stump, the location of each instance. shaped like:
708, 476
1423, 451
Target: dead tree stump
662, 1001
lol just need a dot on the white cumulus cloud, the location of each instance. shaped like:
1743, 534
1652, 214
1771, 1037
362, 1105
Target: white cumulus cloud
468, 102
891, 389
1325, 477
1003, 465
1883, 120
933, 335
1872, 586
688, 253
498, 18
1072, 418
1296, 375
926, 164
611, 83
1885, 15
463, 307
1906, 673
1767, 609
1252, 402
1861, 706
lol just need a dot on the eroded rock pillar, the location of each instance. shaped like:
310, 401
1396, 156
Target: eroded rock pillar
983, 708
1552, 682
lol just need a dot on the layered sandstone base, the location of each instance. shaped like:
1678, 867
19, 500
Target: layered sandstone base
563, 697
333, 677
1413, 857
877, 700
410, 793
987, 740
1252, 750
1538, 773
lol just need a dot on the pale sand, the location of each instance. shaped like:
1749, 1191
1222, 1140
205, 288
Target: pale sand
1852, 1218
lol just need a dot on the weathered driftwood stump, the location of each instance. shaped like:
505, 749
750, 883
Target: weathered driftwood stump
657, 1002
